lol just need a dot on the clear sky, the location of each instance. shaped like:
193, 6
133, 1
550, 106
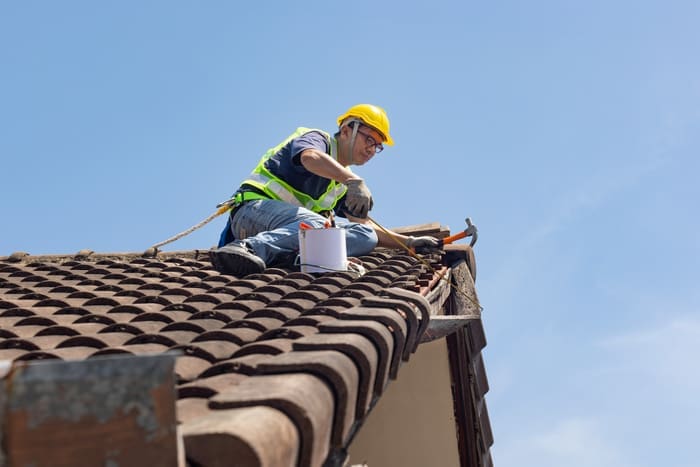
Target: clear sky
567, 130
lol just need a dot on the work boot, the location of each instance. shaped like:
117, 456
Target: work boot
236, 258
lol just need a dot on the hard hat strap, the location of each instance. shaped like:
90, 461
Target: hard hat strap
349, 122
355, 127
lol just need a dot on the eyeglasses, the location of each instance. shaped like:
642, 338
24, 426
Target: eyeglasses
370, 141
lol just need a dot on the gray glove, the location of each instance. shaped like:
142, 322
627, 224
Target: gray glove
427, 242
358, 199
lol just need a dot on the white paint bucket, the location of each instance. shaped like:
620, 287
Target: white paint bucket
322, 250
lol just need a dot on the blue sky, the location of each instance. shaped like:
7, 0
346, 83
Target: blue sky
569, 131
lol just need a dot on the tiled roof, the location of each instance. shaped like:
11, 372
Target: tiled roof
281, 355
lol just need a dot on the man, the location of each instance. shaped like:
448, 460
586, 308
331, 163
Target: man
306, 179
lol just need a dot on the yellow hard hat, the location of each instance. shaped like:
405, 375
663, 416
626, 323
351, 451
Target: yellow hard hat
371, 115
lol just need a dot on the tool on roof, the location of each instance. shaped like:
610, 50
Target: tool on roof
470, 231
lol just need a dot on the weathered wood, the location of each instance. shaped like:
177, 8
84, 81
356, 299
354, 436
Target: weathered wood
442, 326
433, 228
438, 295
469, 382
106, 411
459, 251
465, 297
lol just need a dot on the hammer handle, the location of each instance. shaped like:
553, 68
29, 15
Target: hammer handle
455, 237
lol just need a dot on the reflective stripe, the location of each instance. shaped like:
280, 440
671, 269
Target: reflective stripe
272, 185
331, 197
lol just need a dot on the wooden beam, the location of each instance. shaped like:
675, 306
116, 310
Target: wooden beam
432, 228
115, 410
441, 326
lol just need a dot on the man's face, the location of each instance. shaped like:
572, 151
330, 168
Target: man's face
367, 141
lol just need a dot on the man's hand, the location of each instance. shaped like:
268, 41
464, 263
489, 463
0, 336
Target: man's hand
427, 242
358, 199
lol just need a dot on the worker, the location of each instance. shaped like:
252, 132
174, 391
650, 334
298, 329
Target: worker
307, 179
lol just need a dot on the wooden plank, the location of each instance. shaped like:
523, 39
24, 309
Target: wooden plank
441, 326
432, 228
103, 411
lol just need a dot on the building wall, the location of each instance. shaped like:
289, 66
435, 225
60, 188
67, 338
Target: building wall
413, 423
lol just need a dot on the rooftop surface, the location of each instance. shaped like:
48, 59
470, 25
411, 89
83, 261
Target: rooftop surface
282, 355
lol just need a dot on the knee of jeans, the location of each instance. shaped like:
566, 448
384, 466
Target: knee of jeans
313, 219
364, 239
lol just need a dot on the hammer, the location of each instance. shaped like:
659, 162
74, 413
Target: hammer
470, 231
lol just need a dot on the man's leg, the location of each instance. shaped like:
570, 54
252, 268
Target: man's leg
269, 234
359, 239
269, 231
271, 228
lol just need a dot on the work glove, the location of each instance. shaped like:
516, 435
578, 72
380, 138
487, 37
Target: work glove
358, 199
425, 242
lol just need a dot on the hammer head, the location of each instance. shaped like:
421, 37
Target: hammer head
471, 231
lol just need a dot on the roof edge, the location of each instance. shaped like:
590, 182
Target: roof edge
24, 257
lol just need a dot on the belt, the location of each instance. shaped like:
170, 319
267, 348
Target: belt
242, 196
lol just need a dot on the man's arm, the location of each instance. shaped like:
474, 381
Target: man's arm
387, 240
320, 163
359, 198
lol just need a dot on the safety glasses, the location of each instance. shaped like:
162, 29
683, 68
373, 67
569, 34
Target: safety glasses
370, 141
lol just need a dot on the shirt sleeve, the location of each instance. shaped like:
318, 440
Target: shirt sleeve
310, 140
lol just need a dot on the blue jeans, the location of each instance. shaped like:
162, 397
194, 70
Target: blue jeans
271, 229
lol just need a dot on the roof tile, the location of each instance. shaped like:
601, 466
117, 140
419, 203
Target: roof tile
244, 435
240, 336
213, 351
179, 337
12, 353
191, 409
419, 302
359, 349
135, 349
245, 365
261, 324
392, 321
91, 318
78, 341
212, 385
304, 398
337, 370
288, 332
378, 334
188, 367
114, 339
268, 347
406, 311
277, 312
59, 331
208, 324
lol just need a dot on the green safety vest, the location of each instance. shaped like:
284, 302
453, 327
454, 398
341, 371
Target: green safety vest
276, 188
